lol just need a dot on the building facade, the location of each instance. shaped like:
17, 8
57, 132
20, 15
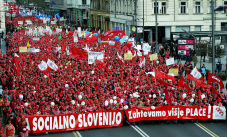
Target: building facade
2, 18
100, 14
173, 16
78, 11
122, 15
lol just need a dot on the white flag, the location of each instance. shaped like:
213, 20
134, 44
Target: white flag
75, 38
139, 53
196, 74
142, 63
120, 58
42, 66
87, 48
15, 54
52, 65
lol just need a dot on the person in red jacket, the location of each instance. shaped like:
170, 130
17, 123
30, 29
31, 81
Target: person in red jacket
10, 129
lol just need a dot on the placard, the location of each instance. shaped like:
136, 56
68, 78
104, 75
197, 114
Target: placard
92, 56
128, 56
20, 22
36, 39
173, 71
153, 56
146, 47
170, 61
22, 49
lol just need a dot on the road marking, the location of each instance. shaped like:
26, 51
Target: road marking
208, 131
139, 130
77, 134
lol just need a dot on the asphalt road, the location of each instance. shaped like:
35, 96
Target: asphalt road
152, 129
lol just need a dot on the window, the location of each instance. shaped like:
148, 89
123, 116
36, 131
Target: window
225, 4
197, 7
197, 28
182, 28
84, 2
163, 10
182, 7
156, 7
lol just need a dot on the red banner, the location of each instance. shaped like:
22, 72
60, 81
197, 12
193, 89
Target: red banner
78, 121
175, 112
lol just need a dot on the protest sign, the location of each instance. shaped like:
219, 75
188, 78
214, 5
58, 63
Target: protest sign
146, 47
170, 61
173, 71
92, 56
20, 22
128, 56
153, 56
22, 49
33, 50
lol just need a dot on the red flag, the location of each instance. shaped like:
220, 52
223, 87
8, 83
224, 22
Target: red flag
164, 83
16, 65
196, 74
77, 51
213, 91
161, 75
214, 78
63, 46
181, 82
190, 77
167, 96
100, 63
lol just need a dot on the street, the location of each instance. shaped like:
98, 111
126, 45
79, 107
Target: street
153, 129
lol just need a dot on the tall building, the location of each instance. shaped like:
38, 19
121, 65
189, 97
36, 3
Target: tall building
122, 15
78, 11
172, 15
100, 14
2, 18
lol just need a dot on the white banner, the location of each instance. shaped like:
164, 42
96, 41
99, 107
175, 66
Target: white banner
92, 56
52, 22
33, 50
29, 22
170, 61
36, 39
20, 22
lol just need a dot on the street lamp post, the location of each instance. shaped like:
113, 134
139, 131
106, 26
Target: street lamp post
143, 20
156, 25
213, 38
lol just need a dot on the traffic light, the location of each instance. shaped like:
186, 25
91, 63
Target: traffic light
134, 34
87, 13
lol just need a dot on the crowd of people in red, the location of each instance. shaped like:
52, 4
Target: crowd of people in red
81, 87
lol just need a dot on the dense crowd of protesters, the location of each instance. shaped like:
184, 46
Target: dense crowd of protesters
79, 87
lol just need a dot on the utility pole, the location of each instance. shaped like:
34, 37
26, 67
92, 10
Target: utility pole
143, 20
156, 25
135, 6
213, 37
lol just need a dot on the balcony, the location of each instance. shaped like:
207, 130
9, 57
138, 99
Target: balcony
83, 6
70, 6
